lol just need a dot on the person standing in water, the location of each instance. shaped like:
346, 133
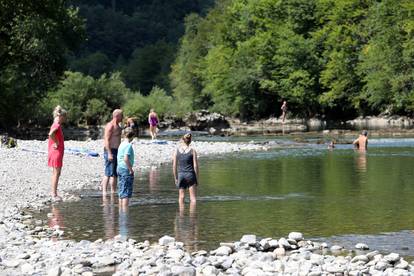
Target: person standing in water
153, 123
361, 142
125, 169
284, 109
56, 149
112, 139
185, 169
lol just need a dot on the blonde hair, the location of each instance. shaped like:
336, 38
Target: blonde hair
59, 111
186, 138
117, 112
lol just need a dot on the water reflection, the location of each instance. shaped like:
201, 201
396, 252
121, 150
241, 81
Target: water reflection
123, 222
108, 213
361, 161
56, 219
153, 179
185, 226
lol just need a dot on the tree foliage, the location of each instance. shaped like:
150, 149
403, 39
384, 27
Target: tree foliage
334, 58
34, 37
88, 100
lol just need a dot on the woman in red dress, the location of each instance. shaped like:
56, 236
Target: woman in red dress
56, 149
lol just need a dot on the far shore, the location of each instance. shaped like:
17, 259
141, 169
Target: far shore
206, 124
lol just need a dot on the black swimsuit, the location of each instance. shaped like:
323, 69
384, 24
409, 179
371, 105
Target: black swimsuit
186, 172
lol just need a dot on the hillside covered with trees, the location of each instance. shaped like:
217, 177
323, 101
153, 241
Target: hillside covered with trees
335, 59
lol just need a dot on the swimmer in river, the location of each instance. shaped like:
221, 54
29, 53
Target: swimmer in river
361, 143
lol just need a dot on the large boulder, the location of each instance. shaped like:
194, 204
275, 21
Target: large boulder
203, 120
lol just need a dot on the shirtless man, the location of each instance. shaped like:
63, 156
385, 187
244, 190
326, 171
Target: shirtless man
361, 142
112, 139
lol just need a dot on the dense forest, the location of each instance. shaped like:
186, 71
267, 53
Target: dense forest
335, 59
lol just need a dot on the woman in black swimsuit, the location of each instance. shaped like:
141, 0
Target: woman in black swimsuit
186, 164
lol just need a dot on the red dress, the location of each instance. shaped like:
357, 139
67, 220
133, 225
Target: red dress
55, 156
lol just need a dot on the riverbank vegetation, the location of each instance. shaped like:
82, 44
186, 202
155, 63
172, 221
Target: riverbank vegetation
332, 59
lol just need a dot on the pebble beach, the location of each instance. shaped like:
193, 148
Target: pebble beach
28, 247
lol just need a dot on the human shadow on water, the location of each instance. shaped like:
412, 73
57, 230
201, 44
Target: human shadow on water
108, 212
186, 226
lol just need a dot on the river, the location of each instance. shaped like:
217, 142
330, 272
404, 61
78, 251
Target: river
337, 196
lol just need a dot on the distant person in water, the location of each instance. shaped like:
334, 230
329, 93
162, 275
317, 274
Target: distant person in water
185, 169
112, 139
284, 109
331, 145
125, 168
153, 123
361, 142
56, 149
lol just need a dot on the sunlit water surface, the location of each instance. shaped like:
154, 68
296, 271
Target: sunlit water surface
339, 196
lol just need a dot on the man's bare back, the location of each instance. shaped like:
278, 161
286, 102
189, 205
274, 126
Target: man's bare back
362, 141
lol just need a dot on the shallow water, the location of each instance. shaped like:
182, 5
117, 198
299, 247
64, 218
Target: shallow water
339, 196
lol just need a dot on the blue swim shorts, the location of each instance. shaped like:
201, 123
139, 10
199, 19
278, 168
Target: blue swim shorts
111, 166
125, 184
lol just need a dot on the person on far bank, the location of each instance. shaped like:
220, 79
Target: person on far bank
112, 139
56, 149
185, 169
153, 123
284, 109
125, 168
361, 142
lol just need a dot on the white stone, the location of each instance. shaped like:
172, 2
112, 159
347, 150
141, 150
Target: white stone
54, 271
361, 246
336, 248
284, 243
249, 239
11, 263
27, 268
223, 251
402, 264
210, 270
392, 258
297, 236
360, 258
176, 254
166, 240
279, 252
183, 270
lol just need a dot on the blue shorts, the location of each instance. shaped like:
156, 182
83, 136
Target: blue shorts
110, 166
125, 183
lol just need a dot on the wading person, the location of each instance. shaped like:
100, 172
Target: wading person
185, 169
153, 123
361, 142
56, 148
125, 170
284, 109
112, 139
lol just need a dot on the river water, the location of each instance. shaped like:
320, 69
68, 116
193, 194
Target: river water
339, 196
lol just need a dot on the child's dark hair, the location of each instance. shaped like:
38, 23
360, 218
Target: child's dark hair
128, 133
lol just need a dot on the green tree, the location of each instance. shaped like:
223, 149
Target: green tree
88, 100
34, 37
149, 67
386, 66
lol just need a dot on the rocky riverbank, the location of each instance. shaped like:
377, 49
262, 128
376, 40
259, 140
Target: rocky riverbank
29, 247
